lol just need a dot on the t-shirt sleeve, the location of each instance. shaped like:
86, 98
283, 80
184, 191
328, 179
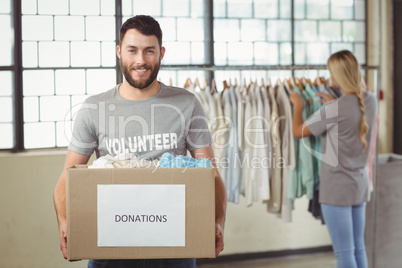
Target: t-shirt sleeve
83, 139
323, 119
198, 133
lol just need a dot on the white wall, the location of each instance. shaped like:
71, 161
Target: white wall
28, 225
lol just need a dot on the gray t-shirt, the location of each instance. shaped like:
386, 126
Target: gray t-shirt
344, 176
171, 121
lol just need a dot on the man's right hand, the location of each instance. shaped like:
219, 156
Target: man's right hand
63, 238
59, 196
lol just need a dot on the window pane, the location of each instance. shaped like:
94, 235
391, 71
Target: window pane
190, 29
7, 136
99, 81
197, 53
149, 7
69, 28
63, 133
31, 24
108, 54
100, 28
54, 54
6, 78
360, 52
5, 7
6, 110
360, 9
226, 30
219, 8
335, 47
168, 26
107, 7
266, 9
176, 8
300, 53
318, 53
30, 54
341, 9
177, 53
266, 54
299, 9
6, 40
6, 47
240, 8
127, 8
197, 8
279, 30
317, 9
306, 30
275, 75
330, 31
310, 74
285, 9
41, 135
221, 53
253, 30
31, 109
38, 82
69, 82
354, 31
87, 7
286, 53
54, 108
85, 54
240, 53
53, 7
28, 7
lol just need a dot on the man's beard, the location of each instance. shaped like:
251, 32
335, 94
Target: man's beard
138, 83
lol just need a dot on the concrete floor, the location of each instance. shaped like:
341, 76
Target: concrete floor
318, 260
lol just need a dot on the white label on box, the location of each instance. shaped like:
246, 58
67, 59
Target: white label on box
141, 215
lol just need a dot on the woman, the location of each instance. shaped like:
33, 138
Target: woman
345, 125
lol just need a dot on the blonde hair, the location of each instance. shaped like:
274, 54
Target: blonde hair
344, 67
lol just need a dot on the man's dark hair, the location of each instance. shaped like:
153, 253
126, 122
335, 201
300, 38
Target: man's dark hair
144, 24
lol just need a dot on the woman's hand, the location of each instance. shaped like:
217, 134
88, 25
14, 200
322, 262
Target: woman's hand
326, 97
296, 99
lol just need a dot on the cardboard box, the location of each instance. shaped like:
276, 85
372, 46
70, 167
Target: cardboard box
196, 213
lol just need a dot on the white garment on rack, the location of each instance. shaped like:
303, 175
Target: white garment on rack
288, 149
257, 177
226, 110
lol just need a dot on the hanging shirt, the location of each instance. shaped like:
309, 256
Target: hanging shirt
233, 173
288, 149
302, 179
275, 202
225, 133
315, 141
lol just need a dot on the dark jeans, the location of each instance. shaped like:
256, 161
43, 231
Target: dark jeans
151, 263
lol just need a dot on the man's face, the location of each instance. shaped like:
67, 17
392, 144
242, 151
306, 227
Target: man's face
140, 58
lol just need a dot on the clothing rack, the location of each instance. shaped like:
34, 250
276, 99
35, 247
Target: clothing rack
253, 67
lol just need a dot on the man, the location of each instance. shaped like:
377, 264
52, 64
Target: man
140, 108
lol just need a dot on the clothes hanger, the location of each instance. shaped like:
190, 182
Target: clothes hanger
213, 87
187, 83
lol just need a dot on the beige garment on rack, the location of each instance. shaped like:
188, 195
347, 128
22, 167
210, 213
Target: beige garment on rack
275, 203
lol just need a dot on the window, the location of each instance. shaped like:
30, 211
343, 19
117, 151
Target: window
6, 75
70, 57
68, 50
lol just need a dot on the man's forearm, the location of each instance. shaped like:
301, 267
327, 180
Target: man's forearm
220, 200
59, 199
